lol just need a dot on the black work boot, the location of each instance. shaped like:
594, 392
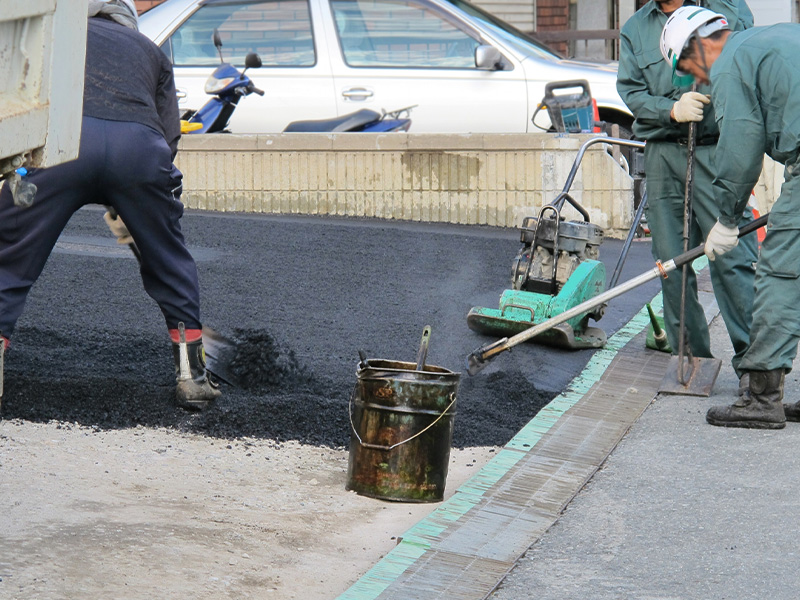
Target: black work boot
194, 391
744, 384
792, 412
759, 408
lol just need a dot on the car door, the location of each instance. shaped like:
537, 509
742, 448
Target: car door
396, 53
296, 77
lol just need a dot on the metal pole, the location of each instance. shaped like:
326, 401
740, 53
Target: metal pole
687, 217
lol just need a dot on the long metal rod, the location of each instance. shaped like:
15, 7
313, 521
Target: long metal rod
477, 360
683, 379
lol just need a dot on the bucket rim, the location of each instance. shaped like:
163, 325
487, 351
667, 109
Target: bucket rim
397, 366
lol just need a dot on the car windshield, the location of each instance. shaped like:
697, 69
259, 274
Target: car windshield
509, 34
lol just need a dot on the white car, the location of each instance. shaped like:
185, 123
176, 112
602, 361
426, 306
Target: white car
464, 70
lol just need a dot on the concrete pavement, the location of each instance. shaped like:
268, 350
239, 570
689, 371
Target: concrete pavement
680, 510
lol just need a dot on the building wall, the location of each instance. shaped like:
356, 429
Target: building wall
520, 14
769, 12
143, 5
553, 15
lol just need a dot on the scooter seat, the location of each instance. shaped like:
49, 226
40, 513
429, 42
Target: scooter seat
350, 122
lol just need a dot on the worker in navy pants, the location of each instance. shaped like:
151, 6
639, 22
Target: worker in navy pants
122, 165
129, 138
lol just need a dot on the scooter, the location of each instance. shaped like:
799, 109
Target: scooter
227, 86
364, 120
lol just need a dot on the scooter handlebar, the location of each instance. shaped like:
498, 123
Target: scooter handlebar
258, 91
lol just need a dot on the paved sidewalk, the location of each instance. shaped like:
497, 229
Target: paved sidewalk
680, 510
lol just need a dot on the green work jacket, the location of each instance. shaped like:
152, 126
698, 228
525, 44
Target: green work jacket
644, 80
756, 89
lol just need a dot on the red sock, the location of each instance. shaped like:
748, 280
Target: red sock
192, 335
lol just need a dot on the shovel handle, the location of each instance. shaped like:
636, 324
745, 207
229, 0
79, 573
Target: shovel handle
697, 251
423, 348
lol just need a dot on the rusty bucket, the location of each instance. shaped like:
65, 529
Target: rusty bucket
401, 421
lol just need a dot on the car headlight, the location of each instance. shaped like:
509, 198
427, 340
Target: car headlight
214, 85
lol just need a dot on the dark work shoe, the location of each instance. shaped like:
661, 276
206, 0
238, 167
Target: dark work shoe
759, 408
196, 395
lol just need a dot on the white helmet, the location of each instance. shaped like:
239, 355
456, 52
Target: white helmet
682, 25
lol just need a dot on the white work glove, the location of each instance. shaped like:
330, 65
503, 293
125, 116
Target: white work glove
118, 228
721, 239
689, 107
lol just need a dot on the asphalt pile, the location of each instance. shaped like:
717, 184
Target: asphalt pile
92, 348
108, 383
257, 362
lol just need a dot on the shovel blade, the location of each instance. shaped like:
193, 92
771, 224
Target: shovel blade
699, 376
219, 351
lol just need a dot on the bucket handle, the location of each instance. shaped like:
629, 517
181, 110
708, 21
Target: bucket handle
393, 446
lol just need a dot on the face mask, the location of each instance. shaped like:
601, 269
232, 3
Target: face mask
685, 80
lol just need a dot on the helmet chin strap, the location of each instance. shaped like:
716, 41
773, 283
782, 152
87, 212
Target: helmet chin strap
701, 51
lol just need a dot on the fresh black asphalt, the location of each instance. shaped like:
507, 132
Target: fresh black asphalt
309, 292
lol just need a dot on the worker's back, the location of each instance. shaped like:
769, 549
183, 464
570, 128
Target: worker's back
128, 78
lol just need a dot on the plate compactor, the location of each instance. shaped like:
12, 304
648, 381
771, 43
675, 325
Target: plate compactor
556, 269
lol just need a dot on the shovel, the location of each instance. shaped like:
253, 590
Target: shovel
479, 358
218, 349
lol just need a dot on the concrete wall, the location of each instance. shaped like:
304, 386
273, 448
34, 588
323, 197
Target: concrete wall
484, 179
769, 12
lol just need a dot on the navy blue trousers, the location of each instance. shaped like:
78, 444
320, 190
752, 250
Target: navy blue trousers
124, 165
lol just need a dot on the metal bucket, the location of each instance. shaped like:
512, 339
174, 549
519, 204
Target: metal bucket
401, 430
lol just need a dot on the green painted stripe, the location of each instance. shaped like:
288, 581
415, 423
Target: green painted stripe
419, 538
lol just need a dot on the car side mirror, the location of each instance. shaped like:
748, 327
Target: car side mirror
218, 43
489, 58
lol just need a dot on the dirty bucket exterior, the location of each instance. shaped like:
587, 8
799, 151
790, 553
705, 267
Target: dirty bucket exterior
402, 430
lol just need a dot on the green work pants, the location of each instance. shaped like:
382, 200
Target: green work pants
776, 311
732, 274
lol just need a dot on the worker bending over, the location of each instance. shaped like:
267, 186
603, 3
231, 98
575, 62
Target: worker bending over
663, 110
129, 138
755, 84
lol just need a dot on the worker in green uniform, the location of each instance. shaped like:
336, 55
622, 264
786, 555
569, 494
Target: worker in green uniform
663, 110
755, 84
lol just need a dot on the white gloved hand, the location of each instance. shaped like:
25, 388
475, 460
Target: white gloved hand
721, 239
689, 107
118, 228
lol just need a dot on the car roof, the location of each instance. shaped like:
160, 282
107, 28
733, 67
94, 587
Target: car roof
155, 20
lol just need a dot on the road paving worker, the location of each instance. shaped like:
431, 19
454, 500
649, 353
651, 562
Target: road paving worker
755, 84
129, 138
663, 110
